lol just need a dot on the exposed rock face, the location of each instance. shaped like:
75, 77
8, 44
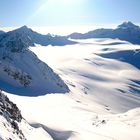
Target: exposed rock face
9, 109
23, 78
12, 115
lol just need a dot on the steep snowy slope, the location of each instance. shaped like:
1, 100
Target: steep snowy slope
13, 126
126, 31
66, 118
21, 72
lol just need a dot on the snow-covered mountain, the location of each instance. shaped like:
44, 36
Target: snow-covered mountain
126, 31
21, 72
33, 37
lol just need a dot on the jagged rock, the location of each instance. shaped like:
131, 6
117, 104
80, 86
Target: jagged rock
12, 114
9, 108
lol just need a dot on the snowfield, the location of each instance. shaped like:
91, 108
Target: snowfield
104, 98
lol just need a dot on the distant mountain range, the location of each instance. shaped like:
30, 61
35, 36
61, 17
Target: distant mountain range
31, 37
126, 31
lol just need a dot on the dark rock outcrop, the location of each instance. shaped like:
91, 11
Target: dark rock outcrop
12, 114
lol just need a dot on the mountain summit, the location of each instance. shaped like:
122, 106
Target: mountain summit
128, 24
24, 29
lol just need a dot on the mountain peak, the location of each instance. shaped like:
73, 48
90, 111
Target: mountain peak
128, 24
23, 29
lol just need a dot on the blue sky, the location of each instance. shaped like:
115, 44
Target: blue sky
67, 12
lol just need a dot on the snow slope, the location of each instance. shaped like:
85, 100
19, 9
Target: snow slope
104, 100
13, 126
65, 118
30, 133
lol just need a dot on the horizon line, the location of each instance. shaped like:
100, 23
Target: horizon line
64, 30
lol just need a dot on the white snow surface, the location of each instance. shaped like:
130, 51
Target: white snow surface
100, 104
30, 133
